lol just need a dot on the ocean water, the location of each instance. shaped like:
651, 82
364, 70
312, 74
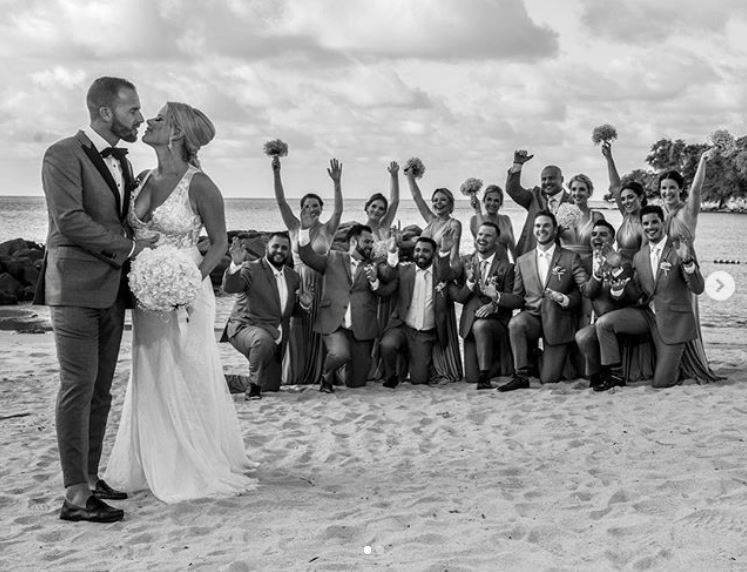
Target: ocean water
721, 236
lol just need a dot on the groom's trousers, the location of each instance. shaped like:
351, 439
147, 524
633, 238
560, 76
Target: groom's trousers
88, 342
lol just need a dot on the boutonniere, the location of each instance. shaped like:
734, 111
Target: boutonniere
440, 288
558, 271
666, 267
495, 281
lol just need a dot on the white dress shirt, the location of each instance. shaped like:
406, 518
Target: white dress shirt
655, 252
282, 284
544, 259
420, 316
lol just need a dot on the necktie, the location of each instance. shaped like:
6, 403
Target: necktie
484, 272
655, 253
119, 153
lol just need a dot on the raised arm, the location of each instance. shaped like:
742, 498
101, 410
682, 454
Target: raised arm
335, 173
208, 203
305, 251
613, 175
290, 220
476, 219
417, 196
391, 212
694, 197
519, 194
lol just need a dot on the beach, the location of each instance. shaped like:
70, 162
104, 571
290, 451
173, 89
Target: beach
438, 478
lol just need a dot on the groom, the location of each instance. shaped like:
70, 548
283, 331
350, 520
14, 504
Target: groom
87, 183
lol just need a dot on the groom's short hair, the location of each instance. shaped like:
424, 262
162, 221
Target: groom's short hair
103, 93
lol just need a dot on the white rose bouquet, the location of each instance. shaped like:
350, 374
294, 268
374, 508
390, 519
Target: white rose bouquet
471, 187
568, 215
722, 142
164, 279
415, 166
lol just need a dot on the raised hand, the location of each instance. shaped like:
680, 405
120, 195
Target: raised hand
307, 221
521, 156
275, 164
237, 252
393, 168
607, 149
448, 239
335, 170
598, 261
393, 240
474, 202
371, 272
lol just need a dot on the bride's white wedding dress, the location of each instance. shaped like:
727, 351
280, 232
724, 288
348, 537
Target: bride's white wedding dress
179, 434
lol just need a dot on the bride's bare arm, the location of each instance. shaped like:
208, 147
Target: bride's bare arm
335, 173
613, 175
695, 195
417, 196
208, 203
290, 220
391, 212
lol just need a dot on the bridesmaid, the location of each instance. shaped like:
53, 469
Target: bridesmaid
630, 198
447, 362
306, 347
578, 239
682, 210
492, 199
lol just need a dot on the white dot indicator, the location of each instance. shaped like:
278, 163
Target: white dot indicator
366, 550
720, 285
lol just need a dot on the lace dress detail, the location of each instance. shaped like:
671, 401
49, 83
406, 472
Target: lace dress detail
178, 435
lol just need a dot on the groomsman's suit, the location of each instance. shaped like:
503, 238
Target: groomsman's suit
602, 302
533, 200
259, 323
486, 346
664, 309
83, 281
543, 317
418, 320
347, 313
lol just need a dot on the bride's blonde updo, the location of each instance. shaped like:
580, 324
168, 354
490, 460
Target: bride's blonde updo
194, 125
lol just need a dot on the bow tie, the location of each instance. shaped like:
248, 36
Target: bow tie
118, 153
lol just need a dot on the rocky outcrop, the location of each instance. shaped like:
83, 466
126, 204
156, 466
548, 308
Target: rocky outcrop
20, 263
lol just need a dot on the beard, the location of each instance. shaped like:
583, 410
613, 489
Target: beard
365, 252
423, 262
277, 260
125, 133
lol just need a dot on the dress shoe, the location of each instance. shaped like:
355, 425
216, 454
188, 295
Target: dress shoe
104, 492
594, 380
95, 511
517, 382
609, 381
326, 386
484, 385
255, 392
391, 383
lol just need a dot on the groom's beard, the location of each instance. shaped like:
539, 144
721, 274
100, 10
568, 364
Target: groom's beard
277, 260
125, 133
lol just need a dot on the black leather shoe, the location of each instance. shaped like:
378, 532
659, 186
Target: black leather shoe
391, 383
326, 386
594, 380
517, 382
255, 392
104, 492
95, 511
609, 381
484, 385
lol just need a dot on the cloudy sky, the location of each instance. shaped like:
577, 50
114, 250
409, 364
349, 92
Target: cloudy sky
458, 83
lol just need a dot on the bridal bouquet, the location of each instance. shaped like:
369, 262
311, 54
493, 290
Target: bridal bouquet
415, 166
471, 187
604, 134
568, 215
164, 279
722, 142
276, 148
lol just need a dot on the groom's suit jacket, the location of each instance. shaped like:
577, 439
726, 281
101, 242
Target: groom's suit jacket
88, 240
670, 290
566, 275
258, 303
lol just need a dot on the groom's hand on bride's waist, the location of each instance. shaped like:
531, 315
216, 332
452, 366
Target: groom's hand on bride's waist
143, 243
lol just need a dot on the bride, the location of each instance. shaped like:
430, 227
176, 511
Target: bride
179, 434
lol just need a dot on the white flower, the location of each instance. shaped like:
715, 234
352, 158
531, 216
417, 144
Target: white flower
723, 142
471, 186
568, 215
164, 279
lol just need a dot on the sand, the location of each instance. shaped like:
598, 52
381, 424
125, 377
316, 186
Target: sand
418, 478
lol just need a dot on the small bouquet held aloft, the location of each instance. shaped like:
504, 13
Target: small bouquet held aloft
415, 166
722, 142
604, 134
568, 215
164, 279
276, 148
471, 187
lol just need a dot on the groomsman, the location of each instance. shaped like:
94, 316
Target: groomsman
269, 293
419, 317
666, 274
346, 317
547, 281
547, 197
487, 298
605, 276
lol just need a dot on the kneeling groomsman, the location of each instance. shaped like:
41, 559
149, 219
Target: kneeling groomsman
487, 298
666, 273
269, 293
609, 270
419, 317
548, 279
